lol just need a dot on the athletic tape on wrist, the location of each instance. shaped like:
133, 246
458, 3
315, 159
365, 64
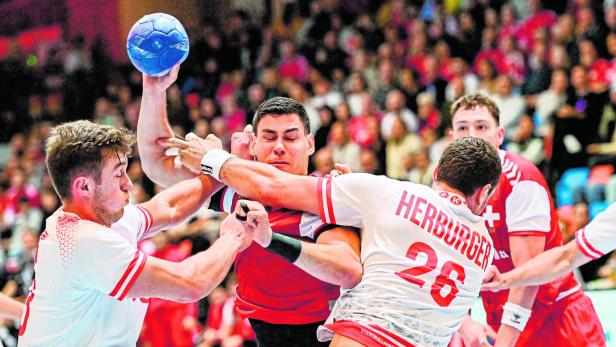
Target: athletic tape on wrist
515, 316
212, 162
285, 246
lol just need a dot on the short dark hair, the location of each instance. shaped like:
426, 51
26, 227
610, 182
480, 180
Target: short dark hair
280, 105
77, 147
469, 163
476, 100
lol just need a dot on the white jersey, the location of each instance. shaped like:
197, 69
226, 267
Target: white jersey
599, 237
83, 273
424, 255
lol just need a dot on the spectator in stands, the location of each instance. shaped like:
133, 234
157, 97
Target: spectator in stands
400, 144
396, 108
512, 105
428, 115
525, 143
323, 162
344, 151
549, 101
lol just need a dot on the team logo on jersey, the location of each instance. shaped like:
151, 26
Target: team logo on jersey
490, 216
443, 195
456, 200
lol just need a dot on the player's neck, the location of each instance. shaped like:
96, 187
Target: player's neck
81, 209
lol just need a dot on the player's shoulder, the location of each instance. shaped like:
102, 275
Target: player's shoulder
516, 168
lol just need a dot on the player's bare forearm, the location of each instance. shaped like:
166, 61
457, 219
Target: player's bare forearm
189, 280
180, 201
334, 258
153, 125
523, 249
10, 308
270, 186
546, 267
208, 268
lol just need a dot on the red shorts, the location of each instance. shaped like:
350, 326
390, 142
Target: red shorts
570, 322
368, 335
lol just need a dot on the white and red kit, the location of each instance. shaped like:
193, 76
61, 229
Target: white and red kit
270, 288
424, 255
599, 237
522, 205
83, 273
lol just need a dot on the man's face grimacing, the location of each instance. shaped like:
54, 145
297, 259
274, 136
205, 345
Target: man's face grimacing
113, 192
477, 122
281, 141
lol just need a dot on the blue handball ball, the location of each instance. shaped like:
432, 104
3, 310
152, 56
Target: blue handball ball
156, 43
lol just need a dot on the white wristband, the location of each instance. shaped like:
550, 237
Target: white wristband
212, 162
515, 316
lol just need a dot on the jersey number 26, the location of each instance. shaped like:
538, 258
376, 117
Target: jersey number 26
442, 280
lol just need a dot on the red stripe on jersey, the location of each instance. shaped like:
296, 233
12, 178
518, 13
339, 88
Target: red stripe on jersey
320, 198
128, 270
134, 278
22, 328
147, 216
590, 246
330, 207
366, 334
528, 233
582, 244
390, 335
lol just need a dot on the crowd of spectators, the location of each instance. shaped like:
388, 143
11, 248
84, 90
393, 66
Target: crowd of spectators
376, 80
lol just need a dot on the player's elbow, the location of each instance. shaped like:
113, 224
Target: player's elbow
352, 276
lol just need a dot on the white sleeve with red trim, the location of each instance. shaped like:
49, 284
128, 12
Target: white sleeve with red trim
528, 208
311, 225
345, 199
598, 237
137, 221
103, 260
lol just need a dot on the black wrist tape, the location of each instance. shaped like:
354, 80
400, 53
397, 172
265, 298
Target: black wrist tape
285, 246
245, 209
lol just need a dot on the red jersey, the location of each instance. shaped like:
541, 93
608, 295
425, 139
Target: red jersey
522, 205
270, 288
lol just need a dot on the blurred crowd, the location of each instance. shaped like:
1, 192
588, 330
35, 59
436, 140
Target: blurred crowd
377, 79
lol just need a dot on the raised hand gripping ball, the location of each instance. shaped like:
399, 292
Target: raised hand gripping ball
156, 43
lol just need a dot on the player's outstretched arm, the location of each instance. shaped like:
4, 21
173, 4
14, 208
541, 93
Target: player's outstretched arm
152, 125
180, 201
10, 308
195, 277
523, 249
253, 180
334, 258
543, 268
